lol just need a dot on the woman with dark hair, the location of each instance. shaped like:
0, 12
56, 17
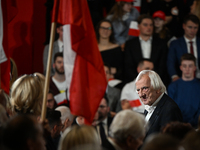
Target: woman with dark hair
111, 53
121, 16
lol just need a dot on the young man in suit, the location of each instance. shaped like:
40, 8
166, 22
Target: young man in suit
160, 109
145, 46
189, 43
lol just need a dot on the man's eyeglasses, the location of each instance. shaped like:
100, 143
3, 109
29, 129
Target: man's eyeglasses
143, 89
104, 28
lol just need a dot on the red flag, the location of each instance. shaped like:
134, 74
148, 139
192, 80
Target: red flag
5, 63
83, 63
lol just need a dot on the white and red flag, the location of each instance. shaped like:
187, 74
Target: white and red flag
4, 52
83, 63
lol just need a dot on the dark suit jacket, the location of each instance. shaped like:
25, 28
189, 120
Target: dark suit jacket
114, 102
133, 55
176, 50
166, 111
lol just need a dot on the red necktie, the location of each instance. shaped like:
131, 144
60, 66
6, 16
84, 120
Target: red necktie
191, 47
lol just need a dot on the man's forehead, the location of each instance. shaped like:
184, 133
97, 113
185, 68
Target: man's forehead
144, 80
187, 62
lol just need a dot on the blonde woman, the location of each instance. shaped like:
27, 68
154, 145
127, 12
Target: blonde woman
27, 94
195, 8
77, 136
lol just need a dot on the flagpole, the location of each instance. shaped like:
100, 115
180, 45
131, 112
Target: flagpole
47, 79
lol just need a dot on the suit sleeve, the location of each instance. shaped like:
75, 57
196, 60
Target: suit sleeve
172, 113
171, 59
130, 67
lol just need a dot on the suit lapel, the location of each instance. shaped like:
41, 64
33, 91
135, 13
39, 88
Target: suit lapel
156, 112
154, 52
138, 50
183, 45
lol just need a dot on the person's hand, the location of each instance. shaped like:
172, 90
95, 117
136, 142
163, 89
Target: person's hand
122, 47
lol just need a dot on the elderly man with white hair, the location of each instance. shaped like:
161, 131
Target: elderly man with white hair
160, 109
126, 131
66, 117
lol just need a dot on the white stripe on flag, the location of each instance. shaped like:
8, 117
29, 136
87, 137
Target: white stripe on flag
69, 56
2, 53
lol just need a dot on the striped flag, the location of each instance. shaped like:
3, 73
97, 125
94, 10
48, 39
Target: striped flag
82, 60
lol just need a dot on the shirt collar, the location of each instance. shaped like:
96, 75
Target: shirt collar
187, 40
149, 40
153, 106
60, 43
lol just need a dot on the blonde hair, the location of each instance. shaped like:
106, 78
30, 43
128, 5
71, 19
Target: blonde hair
27, 94
78, 135
197, 8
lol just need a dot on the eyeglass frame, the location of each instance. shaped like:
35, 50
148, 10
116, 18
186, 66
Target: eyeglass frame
144, 88
104, 28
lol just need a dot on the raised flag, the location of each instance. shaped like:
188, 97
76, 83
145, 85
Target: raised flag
83, 63
4, 61
133, 29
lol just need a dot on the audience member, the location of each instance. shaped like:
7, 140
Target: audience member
111, 53
195, 8
177, 129
104, 120
58, 84
66, 117
145, 46
191, 141
129, 96
161, 142
121, 16
126, 131
51, 104
23, 132
53, 117
27, 94
78, 136
160, 109
189, 43
184, 91
113, 94
160, 30
58, 46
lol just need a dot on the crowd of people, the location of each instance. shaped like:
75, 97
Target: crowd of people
151, 101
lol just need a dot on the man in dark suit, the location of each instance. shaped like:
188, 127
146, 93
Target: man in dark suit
189, 43
160, 109
126, 131
145, 46
104, 120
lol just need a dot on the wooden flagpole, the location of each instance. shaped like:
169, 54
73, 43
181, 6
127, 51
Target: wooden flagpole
47, 79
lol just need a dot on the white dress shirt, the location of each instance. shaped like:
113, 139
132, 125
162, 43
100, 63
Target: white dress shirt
195, 53
146, 47
60, 45
151, 108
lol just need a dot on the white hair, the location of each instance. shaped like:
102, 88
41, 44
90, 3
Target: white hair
155, 79
65, 113
125, 123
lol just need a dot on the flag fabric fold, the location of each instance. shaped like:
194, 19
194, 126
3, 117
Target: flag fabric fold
83, 63
4, 53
